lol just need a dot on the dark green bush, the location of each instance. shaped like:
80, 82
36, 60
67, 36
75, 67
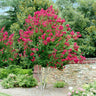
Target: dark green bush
15, 70
13, 67
3, 73
19, 81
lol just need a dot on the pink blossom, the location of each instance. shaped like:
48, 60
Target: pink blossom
32, 60
69, 94
55, 17
67, 25
61, 27
76, 92
39, 37
72, 33
43, 36
6, 33
81, 89
55, 50
37, 49
64, 32
33, 49
11, 59
67, 43
53, 39
45, 42
72, 91
63, 60
48, 39
41, 30
32, 54
68, 29
78, 33
76, 59
51, 34
68, 36
62, 21
20, 55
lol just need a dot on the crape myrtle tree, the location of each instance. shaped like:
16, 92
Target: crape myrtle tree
44, 41
7, 51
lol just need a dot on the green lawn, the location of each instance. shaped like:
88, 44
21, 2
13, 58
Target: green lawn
3, 94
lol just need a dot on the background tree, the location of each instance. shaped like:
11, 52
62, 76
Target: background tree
80, 15
10, 18
27, 7
91, 36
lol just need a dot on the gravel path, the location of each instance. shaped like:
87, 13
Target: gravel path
50, 91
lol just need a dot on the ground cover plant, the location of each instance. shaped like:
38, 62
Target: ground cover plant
86, 90
19, 81
59, 84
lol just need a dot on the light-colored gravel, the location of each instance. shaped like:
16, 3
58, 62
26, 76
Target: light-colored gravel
50, 91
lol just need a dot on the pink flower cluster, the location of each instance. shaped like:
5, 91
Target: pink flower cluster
6, 48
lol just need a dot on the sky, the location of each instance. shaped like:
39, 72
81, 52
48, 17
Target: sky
2, 10
54, 0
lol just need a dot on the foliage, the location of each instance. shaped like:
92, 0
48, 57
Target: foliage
87, 90
6, 48
76, 19
86, 8
78, 92
19, 81
92, 32
27, 7
59, 84
81, 16
4, 72
18, 11
10, 18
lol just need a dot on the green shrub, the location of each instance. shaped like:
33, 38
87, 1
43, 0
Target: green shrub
15, 70
3, 73
59, 84
19, 81
26, 81
13, 67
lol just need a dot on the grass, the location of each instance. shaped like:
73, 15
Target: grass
3, 94
59, 84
